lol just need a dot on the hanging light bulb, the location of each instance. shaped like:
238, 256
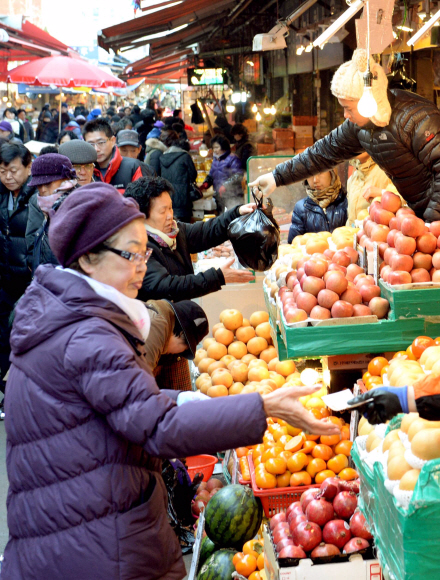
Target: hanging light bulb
266, 110
258, 117
300, 50
5, 99
236, 97
243, 96
309, 47
9, 104
367, 105
309, 377
230, 107
273, 110
254, 108
203, 150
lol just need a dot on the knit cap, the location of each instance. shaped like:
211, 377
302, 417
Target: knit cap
89, 215
51, 167
79, 152
348, 83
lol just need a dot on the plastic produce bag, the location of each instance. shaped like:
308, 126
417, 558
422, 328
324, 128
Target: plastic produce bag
255, 237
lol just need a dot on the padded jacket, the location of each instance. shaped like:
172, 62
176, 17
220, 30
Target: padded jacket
120, 172
407, 149
86, 425
14, 272
307, 216
177, 166
170, 274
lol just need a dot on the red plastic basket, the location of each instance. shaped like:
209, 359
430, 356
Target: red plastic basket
278, 499
201, 464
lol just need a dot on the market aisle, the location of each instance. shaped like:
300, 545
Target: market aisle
3, 489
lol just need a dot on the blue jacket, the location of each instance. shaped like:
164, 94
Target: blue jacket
307, 216
223, 168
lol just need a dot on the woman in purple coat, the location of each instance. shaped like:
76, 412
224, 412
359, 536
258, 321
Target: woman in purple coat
86, 424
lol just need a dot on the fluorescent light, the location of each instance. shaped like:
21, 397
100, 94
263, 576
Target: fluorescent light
421, 15
309, 47
405, 28
250, 63
338, 23
300, 50
427, 26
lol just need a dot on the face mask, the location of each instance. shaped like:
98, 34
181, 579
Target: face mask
46, 203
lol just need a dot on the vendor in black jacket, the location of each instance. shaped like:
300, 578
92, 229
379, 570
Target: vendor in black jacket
170, 273
325, 207
402, 137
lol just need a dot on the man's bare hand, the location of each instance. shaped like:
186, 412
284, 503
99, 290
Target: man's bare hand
265, 184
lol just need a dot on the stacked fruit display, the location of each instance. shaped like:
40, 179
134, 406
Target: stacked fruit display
330, 285
409, 248
289, 457
205, 491
250, 561
322, 524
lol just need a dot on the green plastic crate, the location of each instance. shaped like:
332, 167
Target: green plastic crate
271, 308
411, 303
408, 540
367, 496
382, 336
278, 341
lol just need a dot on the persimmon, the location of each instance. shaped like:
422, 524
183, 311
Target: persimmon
255, 575
365, 376
295, 443
336, 420
308, 446
284, 438
324, 452
420, 344
265, 480
241, 451
286, 455
259, 450
324, 413
276, 465
311, 437
338, 462
253, 547
376, 365
297, 462
373, 382
260, 561
315, 466
246, 565
283, 480
330, 439
271, 453
409, 350
237, 557
324, 474
348, 474
300, 478
344, 447
345, 431
278, 433
384, 371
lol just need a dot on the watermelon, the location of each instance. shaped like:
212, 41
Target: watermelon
219, 566
206, 550
233, 516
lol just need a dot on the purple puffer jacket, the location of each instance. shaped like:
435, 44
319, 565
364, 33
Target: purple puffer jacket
85, 425
223, 168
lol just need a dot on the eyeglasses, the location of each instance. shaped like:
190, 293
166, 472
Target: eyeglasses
136, 258
83, 167
98, 144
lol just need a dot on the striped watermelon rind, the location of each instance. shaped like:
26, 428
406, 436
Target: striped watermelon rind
219, 566
233, 516
206, 550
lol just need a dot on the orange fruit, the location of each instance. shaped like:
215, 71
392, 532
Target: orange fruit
402, 354
255, 575
330, 439
283, 480
365, 376
259, 450
345, 430
297, 462
300, 478
241, 451
271, 453
284, 438
237, 557
315, 466
276, 465
384, 371
410, 351
336, 420
324, 413
246, 565
257, 461
376, 365
420, 344
324, 474
253, 547
348, 474
343, 447
260, 562
294, 444
338, 462
286, 455
322, 452
265, 480
308, 446
310, 437
278, 433
373, 382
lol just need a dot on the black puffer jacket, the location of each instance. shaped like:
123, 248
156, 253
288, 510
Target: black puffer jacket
15, 275
177, 166
170, 273
407, 149
244, 149
307, 216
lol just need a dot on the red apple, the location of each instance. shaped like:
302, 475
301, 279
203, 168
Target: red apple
422, 260
336, 283
352, 295
316, 268
354, 256
390, 201
379, 233
326, 298
412, 226
395, 223
385, 272
342, 309
312, 285
368, 292
436, 276
434, 228
420, 275
383, 216
426, 243
405, 244
404, 211
382, 247
388, 254
390, 237
402, 262
337, 267
329, 254
295, 315
398, 277
353, 270
379, 306
306, 301
361, 310
320, 313
342, 258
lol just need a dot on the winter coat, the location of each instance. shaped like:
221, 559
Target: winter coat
154, 151
75, 128
120, 172
223, 168
14, 272
407, 149
177, 166
30, 135
170, 274
308, 216
48, 132
243, 150
86, 426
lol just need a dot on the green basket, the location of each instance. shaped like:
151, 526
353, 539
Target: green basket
394, 423
367, 498
413, 303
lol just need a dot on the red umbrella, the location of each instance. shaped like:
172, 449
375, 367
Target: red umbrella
63, 71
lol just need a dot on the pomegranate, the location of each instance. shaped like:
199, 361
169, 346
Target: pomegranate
280, 534
325, 550
349, 485
330, 488
277, 519
283, 543
307, 535
307, 497
295, 509
344, 504
359, 526
355, 545
295, 521
319, 511
292, 552
336, 532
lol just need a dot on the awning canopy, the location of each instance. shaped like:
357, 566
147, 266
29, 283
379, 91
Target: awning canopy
186, 13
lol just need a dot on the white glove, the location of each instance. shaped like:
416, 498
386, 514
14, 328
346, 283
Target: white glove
188, 396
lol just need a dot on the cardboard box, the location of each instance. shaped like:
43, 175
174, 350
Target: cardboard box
304, 120
282, 134
265, 148
303, 142
303, 131
251, 125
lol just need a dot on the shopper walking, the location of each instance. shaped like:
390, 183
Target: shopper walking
154, 151
30, 134
402, 137
47, 130
83, 157
177, 166
85, 422
243, 146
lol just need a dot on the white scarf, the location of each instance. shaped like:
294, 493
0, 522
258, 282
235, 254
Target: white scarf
158, 235
134, 309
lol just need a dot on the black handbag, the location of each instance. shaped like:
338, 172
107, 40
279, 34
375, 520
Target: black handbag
194, 192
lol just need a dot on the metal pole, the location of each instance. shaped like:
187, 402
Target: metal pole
59, 114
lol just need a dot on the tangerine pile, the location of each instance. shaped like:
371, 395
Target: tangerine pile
250, 562
289, 457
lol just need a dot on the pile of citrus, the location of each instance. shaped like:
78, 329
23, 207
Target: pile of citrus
289, 457
250, 562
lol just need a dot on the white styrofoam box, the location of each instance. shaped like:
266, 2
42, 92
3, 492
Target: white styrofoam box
206, 204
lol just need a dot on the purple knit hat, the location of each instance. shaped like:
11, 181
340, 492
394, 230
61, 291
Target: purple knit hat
88, 217
51, 167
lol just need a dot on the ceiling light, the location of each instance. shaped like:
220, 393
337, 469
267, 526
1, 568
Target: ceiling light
339, 23
254, 108
309, 47
405, 28
266, 110
273, 110
427, 26
243, 97
258, 117
230, 107
421, 15
250, 63
235, 97
300, 50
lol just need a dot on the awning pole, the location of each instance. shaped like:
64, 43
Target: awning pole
59, 121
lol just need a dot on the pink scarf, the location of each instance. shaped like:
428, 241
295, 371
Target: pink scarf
46, 202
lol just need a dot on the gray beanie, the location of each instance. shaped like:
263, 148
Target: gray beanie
79, 152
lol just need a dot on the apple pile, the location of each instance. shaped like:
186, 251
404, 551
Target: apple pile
410, 249
330, 285
323, 523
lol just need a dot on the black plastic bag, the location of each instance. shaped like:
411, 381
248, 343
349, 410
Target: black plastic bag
255, 237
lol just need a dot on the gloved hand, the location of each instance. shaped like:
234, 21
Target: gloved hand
188, 396
383, 403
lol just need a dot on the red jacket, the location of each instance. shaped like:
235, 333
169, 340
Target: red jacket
120, 172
